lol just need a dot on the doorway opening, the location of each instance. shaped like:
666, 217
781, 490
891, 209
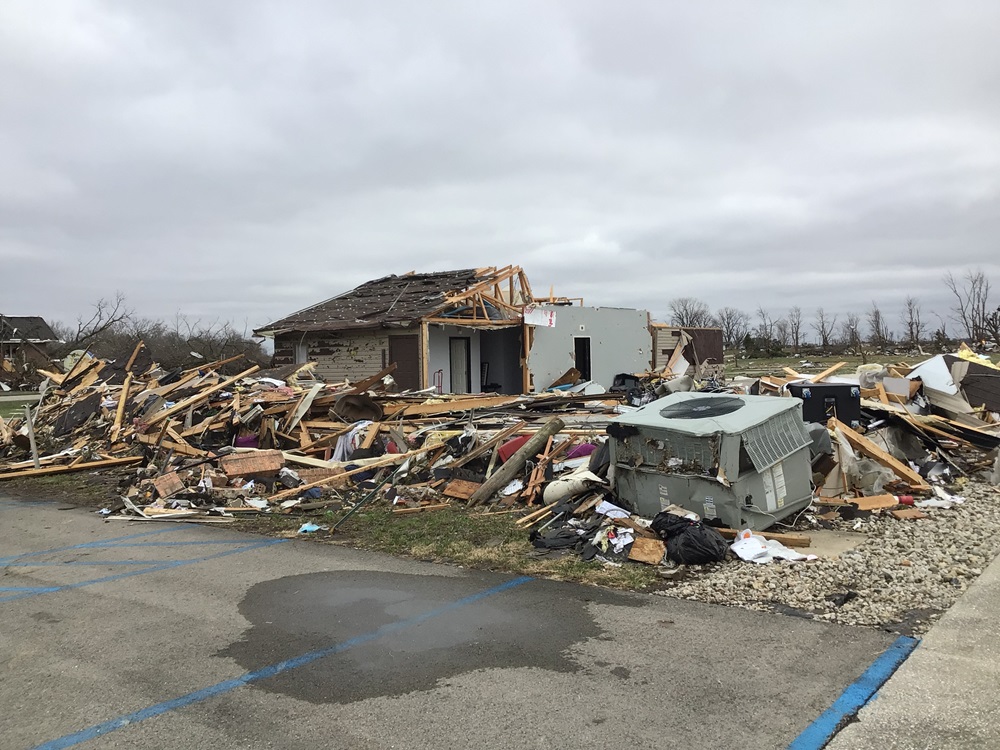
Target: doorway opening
581, 355
460, 364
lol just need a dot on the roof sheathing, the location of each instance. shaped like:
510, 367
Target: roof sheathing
386, 301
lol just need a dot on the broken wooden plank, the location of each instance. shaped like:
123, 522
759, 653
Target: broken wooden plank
168, 484
407, 511
536, 514
460, 489
178, 448
911, 514
874, 502
128, 461
252, 463
301, 408
827, 373
386, 461
456, 405
120, 411
488, 445
198, 398
789, 539
868, 448
645, 550
642, 531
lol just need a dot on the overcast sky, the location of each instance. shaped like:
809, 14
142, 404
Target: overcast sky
241, 160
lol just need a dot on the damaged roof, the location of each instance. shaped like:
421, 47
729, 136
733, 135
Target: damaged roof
391, 299
18, 328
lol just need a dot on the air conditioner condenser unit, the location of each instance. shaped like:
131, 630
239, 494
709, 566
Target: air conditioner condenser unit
741, 459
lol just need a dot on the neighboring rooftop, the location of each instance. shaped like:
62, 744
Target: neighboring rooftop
18, 328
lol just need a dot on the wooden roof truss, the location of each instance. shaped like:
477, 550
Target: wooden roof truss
498, 299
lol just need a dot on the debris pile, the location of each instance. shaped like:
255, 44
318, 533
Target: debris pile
203, 446
660, 470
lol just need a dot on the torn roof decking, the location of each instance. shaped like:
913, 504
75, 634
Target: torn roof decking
473, 296
19, 328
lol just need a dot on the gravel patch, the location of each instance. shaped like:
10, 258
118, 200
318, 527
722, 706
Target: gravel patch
900, 578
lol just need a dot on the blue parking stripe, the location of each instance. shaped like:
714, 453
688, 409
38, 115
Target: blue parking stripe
68, 563
178, 544
273, 670
86, 545
855, 696
156, 568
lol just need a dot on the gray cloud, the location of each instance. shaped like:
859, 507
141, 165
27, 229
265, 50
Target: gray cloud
241, 160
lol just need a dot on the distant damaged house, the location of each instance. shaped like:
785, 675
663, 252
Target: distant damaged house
465, 331
25, 339
678, 347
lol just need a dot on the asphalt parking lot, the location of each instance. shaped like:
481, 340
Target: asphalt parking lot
131, 635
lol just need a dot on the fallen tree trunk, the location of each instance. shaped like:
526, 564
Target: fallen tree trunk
515, 463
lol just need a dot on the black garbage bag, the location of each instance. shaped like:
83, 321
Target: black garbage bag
563, 538
689, 542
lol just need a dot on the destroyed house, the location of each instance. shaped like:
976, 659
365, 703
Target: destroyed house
463, 331
701, 347
26, 338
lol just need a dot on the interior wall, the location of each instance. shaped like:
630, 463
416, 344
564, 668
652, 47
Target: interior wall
440, 353
501, 349
620, 341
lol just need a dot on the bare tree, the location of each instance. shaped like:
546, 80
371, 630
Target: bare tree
735, 325
765, 328
691, 312
794, 319
972, 306
914, 327
850, 334
879, 335
782, 332
107, 314
824, 325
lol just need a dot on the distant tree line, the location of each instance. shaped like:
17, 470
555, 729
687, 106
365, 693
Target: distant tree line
761, 334
111, 330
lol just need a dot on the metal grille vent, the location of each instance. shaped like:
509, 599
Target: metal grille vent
775, 439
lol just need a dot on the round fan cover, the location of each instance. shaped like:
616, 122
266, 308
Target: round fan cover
702, 408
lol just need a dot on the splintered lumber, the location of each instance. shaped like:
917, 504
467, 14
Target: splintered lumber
645, 550
105, 464
515, 463
120, 411
536, 515
789, 539
168, 484
252, 463
874, 502
131, 360
363, 385
641, 531
301, 408
494, 442
911, 514
408, 511
571, 376
459, 404
827, 372
212, 365
460, 489
182, 449
387, 461
198, 398
868, 448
